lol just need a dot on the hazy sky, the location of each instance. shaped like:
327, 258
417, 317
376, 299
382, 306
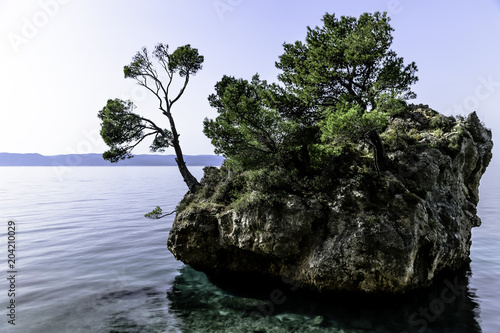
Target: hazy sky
60, 60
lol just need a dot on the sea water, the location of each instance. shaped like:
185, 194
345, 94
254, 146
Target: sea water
86, 260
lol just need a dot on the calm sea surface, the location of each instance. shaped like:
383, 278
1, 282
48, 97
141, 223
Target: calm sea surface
88, 261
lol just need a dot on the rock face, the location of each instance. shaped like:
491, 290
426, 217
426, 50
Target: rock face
387, 233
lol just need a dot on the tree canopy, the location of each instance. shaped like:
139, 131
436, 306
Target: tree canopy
247, 129
122, 129
336, 88
346, 60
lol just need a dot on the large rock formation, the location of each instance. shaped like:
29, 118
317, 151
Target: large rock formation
387, 233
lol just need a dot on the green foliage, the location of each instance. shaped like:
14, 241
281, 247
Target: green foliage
337, 89
437, 122
230, 188
345, 121
254, 199
222, 186
349, 122
395, 139
440, 122
155, 213
185, 60
264, 186
346, 60
122, 129
320, 153
455, 140
273, 180
414, 135
246, 130
162, 141
438, 133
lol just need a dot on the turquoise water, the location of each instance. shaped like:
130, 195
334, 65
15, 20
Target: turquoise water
88, 261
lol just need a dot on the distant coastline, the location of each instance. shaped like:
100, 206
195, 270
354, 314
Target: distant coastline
13, 159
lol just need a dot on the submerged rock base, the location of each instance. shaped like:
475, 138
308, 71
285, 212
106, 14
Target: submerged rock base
386, 233
247, 306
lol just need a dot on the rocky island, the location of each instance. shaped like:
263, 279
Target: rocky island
330, 179
376, 233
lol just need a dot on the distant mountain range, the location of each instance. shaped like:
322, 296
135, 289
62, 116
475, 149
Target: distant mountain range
10, 159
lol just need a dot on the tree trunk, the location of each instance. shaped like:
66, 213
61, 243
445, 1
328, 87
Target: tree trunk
190, 180
381, 159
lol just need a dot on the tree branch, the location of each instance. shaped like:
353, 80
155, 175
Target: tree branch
155, 127
156, 213
144, 84
140, 140
182, 90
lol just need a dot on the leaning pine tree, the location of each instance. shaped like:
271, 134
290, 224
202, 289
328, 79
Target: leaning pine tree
122, 129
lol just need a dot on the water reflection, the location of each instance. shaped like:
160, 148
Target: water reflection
252, 306
125, 311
